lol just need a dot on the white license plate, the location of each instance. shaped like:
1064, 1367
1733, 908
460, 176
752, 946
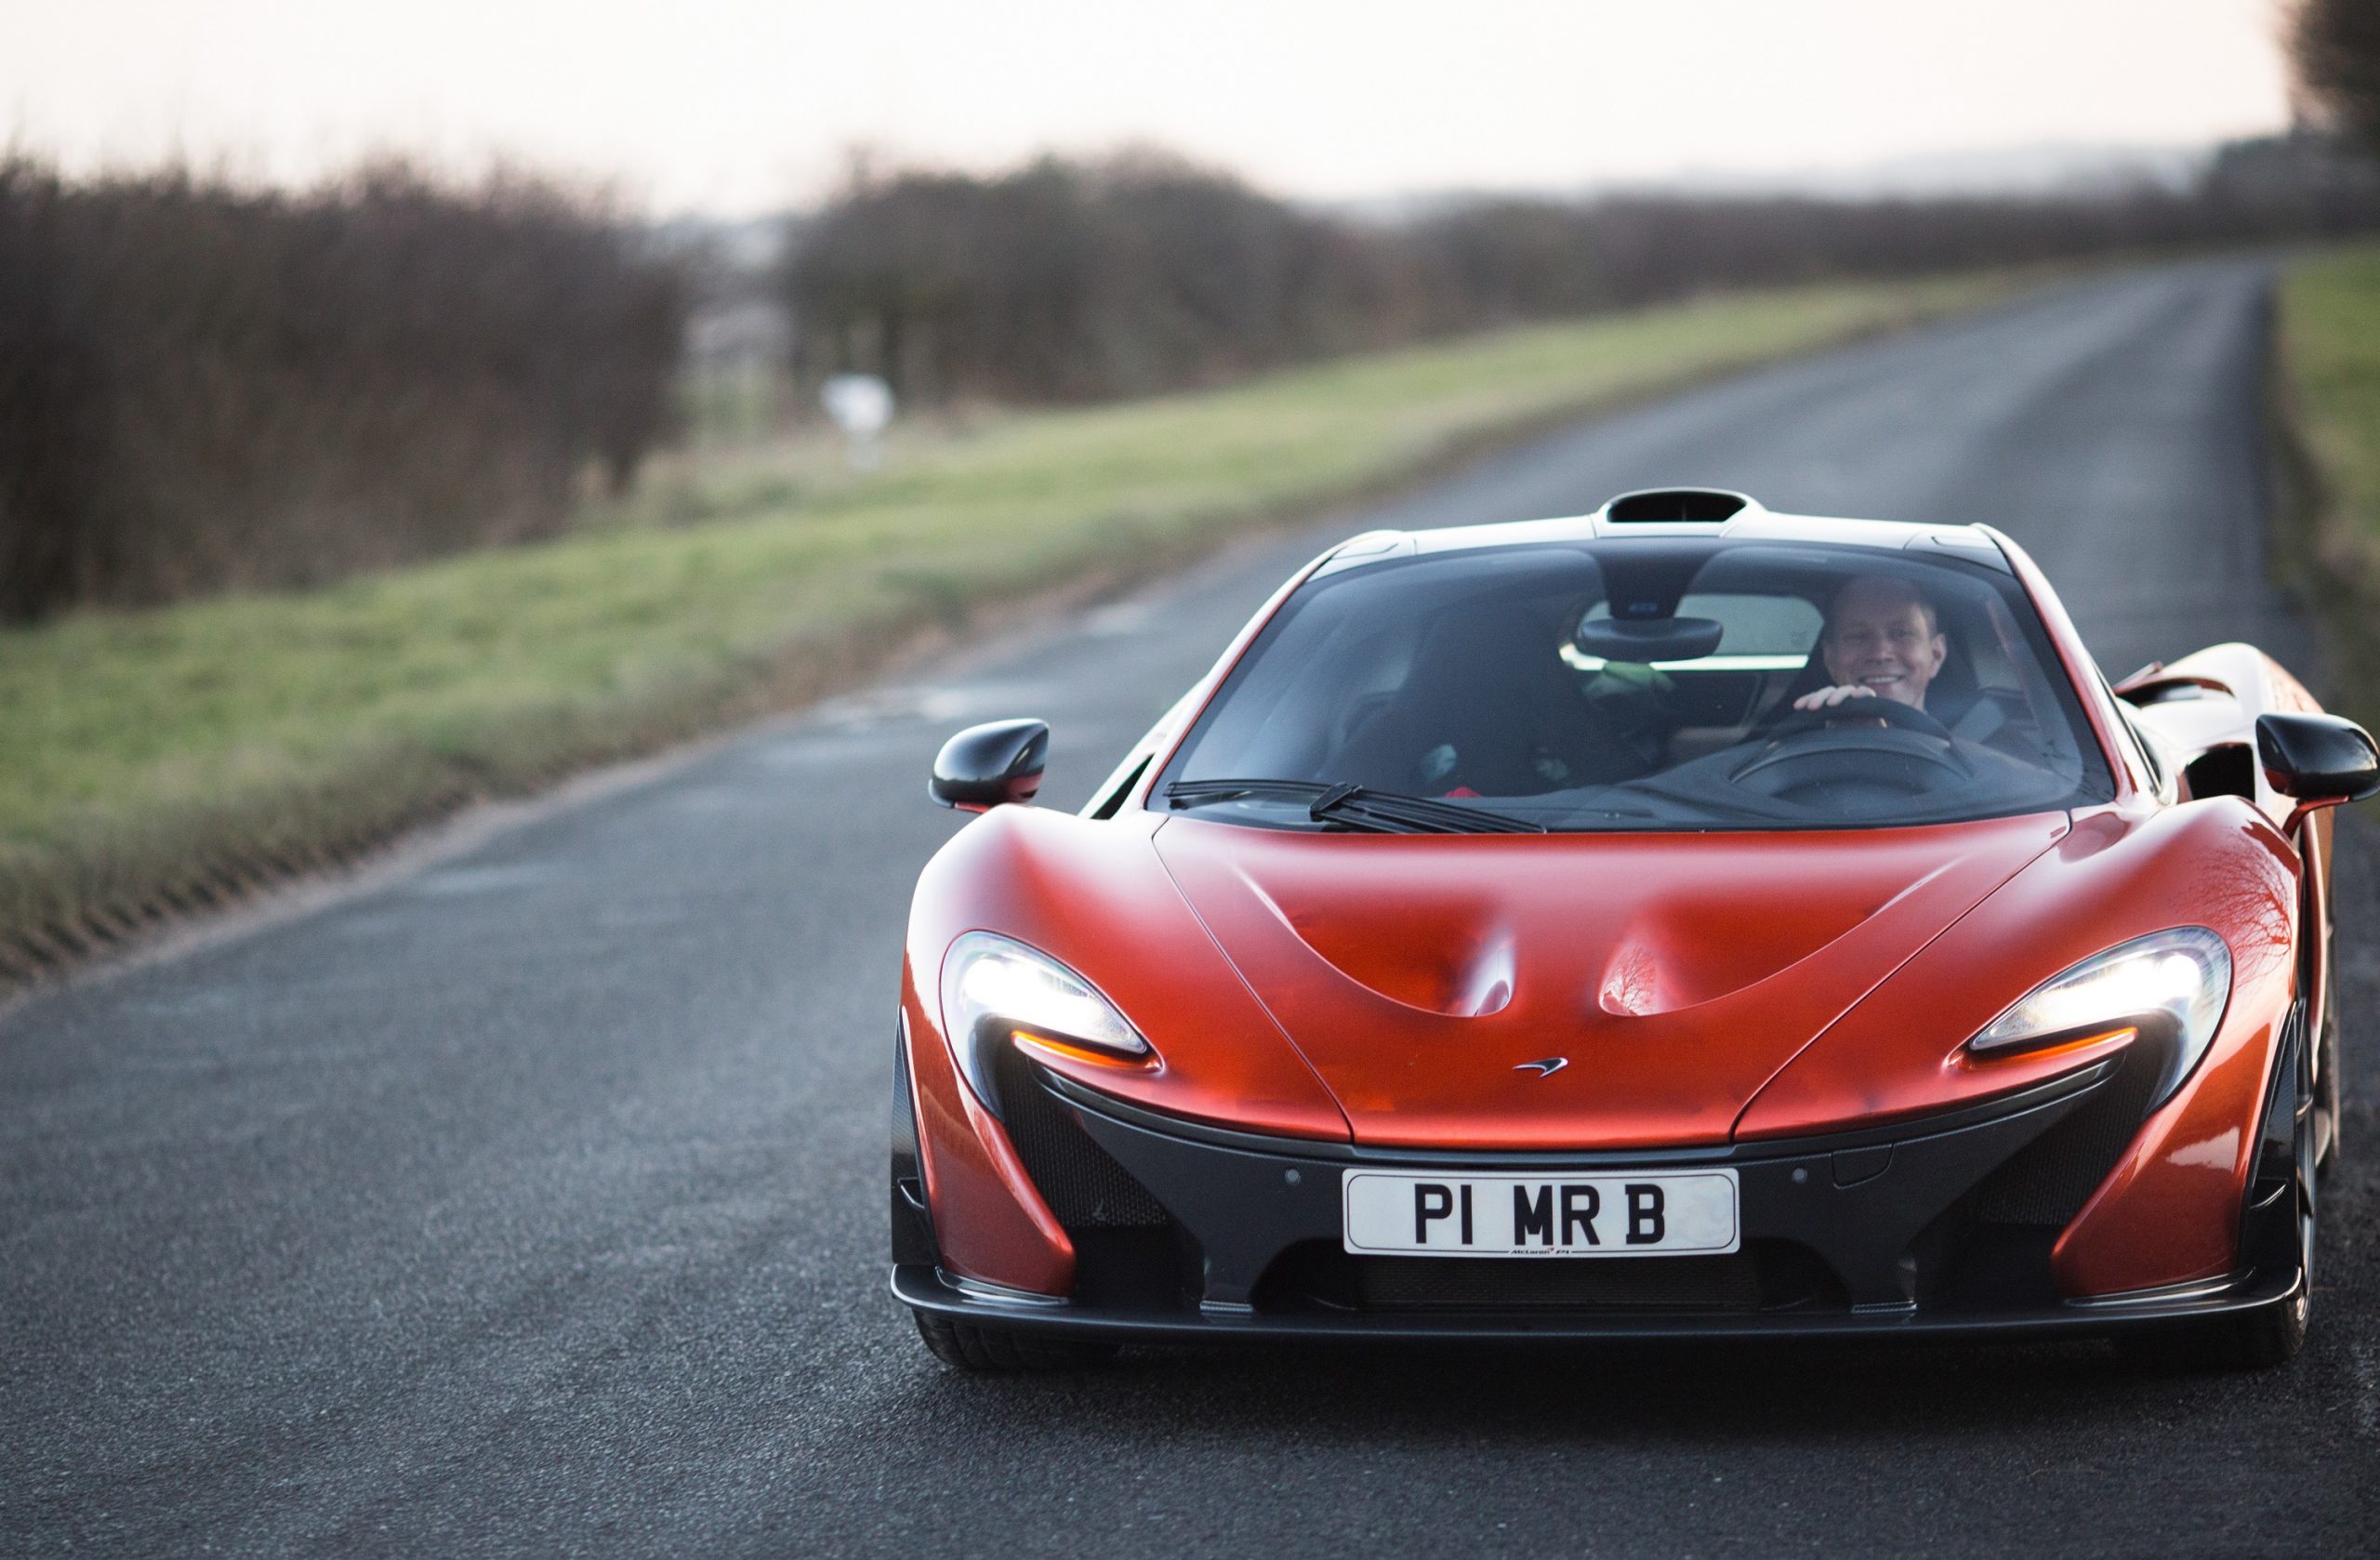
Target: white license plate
1662, 1213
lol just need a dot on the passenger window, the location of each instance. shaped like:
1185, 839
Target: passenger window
1113, 799
2151, 758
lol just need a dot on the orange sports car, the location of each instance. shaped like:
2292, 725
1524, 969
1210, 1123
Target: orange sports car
1681, 920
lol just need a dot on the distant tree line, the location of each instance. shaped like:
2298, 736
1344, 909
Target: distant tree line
1078, 280
205, 388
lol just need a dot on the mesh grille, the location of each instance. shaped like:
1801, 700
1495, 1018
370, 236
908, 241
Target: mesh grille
1729, 1283
2049, 1179
1084, 1186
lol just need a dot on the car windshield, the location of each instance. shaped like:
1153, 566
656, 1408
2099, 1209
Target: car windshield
1642, 683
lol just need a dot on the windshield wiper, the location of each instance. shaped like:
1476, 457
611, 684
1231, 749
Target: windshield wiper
1358, 806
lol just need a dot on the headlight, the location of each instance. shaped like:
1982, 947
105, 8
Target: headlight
994, 988
2169, 982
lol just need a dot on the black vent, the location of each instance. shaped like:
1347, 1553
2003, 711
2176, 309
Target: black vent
1082, 1183
2225, 770
2048, 1182
1730, 1283
1674, 506
1765, 1275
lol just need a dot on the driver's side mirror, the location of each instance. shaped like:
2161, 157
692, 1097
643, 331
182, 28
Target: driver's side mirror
2318, 760
985, 766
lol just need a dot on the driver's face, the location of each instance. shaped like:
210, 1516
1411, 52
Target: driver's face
1878, 639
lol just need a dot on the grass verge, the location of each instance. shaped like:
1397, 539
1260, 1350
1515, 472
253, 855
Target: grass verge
165, 760
2325, 398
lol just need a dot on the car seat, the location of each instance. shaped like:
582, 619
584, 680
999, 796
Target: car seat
1489, 705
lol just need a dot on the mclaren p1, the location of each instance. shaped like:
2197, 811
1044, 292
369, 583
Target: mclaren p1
1682, 920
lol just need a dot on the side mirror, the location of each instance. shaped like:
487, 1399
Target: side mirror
2319, 761
985, 766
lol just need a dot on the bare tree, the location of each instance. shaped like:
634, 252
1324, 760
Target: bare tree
2335, 46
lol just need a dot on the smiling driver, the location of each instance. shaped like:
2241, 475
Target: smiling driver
1881, 640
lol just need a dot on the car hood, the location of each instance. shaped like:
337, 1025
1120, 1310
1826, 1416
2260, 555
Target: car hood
1673, 974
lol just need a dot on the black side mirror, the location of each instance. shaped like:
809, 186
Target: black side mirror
985, 766
2320, 760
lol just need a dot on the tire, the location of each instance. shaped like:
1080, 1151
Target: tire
2262, 1340
2267, 1339
992, 1351
2329, 1096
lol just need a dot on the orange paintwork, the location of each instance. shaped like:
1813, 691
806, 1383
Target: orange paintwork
988, 1220
1677, 972
2168, 1214
1704, 987
1094, 896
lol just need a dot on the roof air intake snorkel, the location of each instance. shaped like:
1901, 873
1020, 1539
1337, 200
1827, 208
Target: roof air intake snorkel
1677, 506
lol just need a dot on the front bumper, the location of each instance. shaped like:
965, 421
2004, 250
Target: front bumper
1188, 1232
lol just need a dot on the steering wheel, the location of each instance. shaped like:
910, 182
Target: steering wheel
1886, 745
1892, 712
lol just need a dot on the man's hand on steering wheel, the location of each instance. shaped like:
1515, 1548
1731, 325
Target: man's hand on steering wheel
1854, 704
1826, 699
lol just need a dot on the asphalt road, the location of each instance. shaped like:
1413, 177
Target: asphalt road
533, 1200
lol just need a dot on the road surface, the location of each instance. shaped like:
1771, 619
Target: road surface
532, 1200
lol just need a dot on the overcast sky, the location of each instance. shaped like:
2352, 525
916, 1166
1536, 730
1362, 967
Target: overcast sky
742, 106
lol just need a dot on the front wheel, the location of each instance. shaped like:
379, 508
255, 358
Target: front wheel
2257, 1341
998, 1349
2329, 1099
2271, 1337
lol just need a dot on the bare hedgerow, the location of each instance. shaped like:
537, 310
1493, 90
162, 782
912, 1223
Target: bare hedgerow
1067, 281
1076, 280
204, 387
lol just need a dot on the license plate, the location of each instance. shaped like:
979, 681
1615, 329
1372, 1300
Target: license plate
1663, 1214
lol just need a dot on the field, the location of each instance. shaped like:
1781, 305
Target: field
2329, 392
156, 760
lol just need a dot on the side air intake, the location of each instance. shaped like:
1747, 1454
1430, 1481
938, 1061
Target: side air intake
1677, 506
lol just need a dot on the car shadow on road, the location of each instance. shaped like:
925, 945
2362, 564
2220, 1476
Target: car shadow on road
1668, 1387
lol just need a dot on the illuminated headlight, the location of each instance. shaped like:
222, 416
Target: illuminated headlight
2170, 982
994, 989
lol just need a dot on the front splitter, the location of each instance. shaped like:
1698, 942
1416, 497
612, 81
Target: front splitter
926, 1289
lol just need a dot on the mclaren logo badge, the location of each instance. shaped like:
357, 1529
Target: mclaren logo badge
1546, 1068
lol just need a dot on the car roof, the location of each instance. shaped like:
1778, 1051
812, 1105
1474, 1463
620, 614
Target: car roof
1646, 514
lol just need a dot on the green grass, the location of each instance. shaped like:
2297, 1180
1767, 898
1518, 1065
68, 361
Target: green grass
2330, 334
2329, 360
146, 757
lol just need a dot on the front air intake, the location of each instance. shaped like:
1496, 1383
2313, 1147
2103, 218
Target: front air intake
1085, 1188
1675, 506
